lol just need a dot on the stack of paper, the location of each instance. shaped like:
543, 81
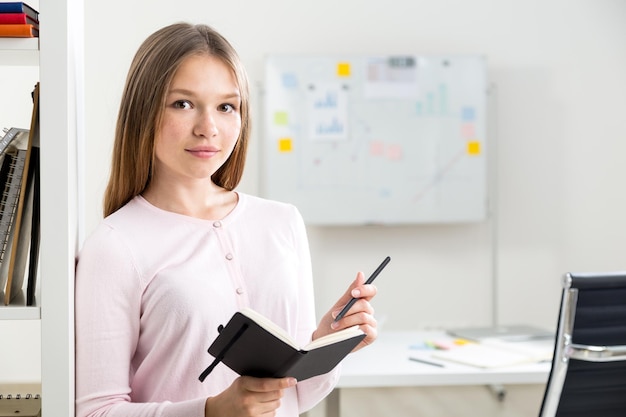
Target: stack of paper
495, 353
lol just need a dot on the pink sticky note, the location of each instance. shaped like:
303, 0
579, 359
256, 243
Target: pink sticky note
394, 152
377, 148
467, 130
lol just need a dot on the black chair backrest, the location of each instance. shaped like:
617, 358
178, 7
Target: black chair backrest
594, 389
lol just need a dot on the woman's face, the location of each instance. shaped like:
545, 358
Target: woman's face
201, 121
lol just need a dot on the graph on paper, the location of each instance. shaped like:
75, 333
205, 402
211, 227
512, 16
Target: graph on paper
376, 139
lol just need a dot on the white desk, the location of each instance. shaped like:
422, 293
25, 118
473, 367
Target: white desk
386, 364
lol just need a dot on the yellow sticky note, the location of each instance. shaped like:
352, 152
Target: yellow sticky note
280, 118
473, 147
343, 69
285, 145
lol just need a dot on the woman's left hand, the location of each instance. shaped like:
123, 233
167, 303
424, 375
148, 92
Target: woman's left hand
361, 313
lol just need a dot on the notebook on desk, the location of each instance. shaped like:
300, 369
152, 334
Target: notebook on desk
508, 333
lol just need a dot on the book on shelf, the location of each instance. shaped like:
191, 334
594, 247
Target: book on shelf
18, 31
11, 172
35, 234
19, 7
11, 135
18, 19
20, 234
12, 405
251, 344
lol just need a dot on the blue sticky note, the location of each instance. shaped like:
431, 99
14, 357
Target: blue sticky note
422, 346
290, 80
468, 114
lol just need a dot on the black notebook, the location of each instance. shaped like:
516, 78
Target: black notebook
252, 345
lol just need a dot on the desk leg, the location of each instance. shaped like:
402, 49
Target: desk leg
498, 390
333, 403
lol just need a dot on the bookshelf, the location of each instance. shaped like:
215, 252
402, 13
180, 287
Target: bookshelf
15, 52
18, 44
58, 54
16, 55
20, 312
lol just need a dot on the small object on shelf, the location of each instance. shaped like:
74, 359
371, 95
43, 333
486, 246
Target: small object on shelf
11, 172
18, 31
18, 20
19, 7
10, 135
23, 405
22, 233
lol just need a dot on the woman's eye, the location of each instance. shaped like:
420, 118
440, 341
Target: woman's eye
182, 104
226, 108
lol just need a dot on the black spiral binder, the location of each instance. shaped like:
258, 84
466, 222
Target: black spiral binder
23, 405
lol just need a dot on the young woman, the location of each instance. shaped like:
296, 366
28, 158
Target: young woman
180, 251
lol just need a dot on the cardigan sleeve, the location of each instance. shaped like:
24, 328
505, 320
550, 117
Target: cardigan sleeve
107, 309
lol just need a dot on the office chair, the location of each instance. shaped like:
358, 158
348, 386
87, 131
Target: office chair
588, 375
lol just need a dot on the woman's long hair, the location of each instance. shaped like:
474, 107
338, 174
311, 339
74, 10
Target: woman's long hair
143, 102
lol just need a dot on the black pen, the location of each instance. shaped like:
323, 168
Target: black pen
369, 281
426, 362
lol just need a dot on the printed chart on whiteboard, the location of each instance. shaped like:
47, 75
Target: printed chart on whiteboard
376, 139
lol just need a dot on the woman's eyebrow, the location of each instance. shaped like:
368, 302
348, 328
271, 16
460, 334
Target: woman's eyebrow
185, 91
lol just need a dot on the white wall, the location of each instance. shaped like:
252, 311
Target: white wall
558, 104
558, 123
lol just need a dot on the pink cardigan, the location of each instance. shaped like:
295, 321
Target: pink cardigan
152, 287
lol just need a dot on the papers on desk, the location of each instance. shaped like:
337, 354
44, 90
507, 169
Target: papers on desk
496, 353
512, 333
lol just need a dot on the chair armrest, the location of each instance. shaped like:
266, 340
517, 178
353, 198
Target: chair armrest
596, 353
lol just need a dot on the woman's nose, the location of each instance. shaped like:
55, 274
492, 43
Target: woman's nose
205, 124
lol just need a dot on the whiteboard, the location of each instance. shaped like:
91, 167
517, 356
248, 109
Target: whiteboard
356, 140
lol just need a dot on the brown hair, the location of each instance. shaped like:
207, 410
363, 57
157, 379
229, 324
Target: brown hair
143, 101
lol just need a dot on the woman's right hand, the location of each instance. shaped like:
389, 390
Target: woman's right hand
249, 397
